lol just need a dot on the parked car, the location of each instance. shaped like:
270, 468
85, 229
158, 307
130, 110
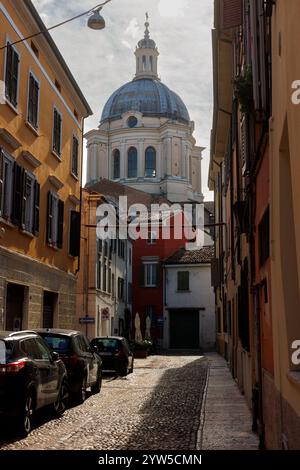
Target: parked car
82, 363
31, 377
115, 354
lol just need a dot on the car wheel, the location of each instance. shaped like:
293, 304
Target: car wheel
81, 395
25, 420
60, 405
123, 371
97, 386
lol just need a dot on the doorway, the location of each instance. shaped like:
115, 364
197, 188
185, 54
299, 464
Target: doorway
14, 307
49, 305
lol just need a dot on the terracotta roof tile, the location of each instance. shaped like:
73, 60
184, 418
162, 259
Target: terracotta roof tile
183, 256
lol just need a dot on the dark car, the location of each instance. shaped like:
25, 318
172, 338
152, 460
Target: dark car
82, 363
115, 354
31, 377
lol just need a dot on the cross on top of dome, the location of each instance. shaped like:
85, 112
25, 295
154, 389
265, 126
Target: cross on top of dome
146, 42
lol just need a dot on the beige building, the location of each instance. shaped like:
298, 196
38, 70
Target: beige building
284, 392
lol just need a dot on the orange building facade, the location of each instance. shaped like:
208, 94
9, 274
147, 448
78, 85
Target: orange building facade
42, 112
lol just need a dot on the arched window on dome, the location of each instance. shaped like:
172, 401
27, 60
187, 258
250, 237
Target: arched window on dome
150, 162
132, 163
116, 164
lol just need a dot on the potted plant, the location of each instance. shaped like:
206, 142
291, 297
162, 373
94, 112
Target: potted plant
243, 89
141, 348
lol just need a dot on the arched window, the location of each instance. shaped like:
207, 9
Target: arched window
144, 63
132, 162
116, 164
150, 163
151, 63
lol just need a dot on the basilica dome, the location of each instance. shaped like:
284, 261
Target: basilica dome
148, 96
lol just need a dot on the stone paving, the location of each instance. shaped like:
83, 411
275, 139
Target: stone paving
225, 419
156, 407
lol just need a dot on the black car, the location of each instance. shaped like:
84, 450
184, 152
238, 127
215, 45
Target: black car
82, 363
31, 377
115, 354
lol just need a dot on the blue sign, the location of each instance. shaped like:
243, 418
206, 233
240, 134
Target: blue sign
87, 320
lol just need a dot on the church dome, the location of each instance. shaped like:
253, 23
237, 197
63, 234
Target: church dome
148, 96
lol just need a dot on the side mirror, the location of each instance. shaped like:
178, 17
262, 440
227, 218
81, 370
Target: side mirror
55, 356
94, 348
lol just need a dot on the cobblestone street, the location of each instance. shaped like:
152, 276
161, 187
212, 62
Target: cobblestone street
156, 407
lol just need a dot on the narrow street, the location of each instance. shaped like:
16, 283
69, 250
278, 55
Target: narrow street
156, 407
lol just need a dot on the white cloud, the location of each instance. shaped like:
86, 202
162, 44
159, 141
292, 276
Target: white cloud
133, 29
126, 44
172, 8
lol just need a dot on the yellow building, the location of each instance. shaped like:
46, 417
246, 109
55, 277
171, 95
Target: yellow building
41, 125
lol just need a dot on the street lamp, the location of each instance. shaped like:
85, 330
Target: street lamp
95, 21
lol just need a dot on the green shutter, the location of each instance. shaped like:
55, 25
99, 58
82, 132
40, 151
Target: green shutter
49, 217
36, 219
75, 233
1, 180
18, 195
60, 228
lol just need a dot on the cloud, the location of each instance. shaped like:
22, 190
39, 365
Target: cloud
133, 30
172, 8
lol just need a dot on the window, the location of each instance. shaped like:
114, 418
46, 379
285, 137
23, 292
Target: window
55, 220
144, 62
151, 238
57, 128
19, 195
116, 164
120, 288
151, 274
151, 63
99, 266
43, 351
129, 292
33, 101
183, 281
74, 244
113, 290
109, 281
104, 272
132, 121
264, 238
121, 249
132, 162
6, 184
12, 75
150, 163
75, 151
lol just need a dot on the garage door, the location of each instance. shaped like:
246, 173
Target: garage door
184, 329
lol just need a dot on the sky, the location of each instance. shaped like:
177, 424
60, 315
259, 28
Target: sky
102, 61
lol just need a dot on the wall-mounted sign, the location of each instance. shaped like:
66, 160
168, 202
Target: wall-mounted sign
105, 314
87, 320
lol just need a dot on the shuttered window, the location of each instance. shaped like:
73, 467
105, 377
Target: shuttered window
57, 130
75, 153
116, 164
28, 201
6, 184
33, 101
120, 288
231, 13
55, 220
183, 281
151, 274
74, 233
264, 238
12, 75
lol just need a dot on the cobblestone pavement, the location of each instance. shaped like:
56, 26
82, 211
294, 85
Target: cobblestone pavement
156, 407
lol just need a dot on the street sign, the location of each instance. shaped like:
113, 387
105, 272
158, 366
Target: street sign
87, 320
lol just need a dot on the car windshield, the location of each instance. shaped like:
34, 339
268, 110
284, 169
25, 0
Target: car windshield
6, 350
59, 344
106, 345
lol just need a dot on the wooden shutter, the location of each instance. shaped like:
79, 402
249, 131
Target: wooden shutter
231, 13
215, 272
60, 226
18, 184
142, 275
57, 132
75, 156
75, 233
262, 54
8, 74
36, 217
1, 180
254, 52
49, 217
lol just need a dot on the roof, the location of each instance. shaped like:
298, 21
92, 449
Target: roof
57, 331
147, 96
114, 190
183, 256
210, 206
16, 334
42, 27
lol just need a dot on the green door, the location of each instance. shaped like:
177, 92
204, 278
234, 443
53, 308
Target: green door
184, 329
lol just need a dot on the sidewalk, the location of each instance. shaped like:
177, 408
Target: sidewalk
225, 418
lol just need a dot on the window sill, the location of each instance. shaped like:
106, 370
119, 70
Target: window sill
7, 223
183, 291
294, 377
53, 247
28, 234
56, 155
12, 107
32, 128
74, 176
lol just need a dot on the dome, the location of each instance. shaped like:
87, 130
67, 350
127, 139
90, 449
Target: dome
149, 97
146, 43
